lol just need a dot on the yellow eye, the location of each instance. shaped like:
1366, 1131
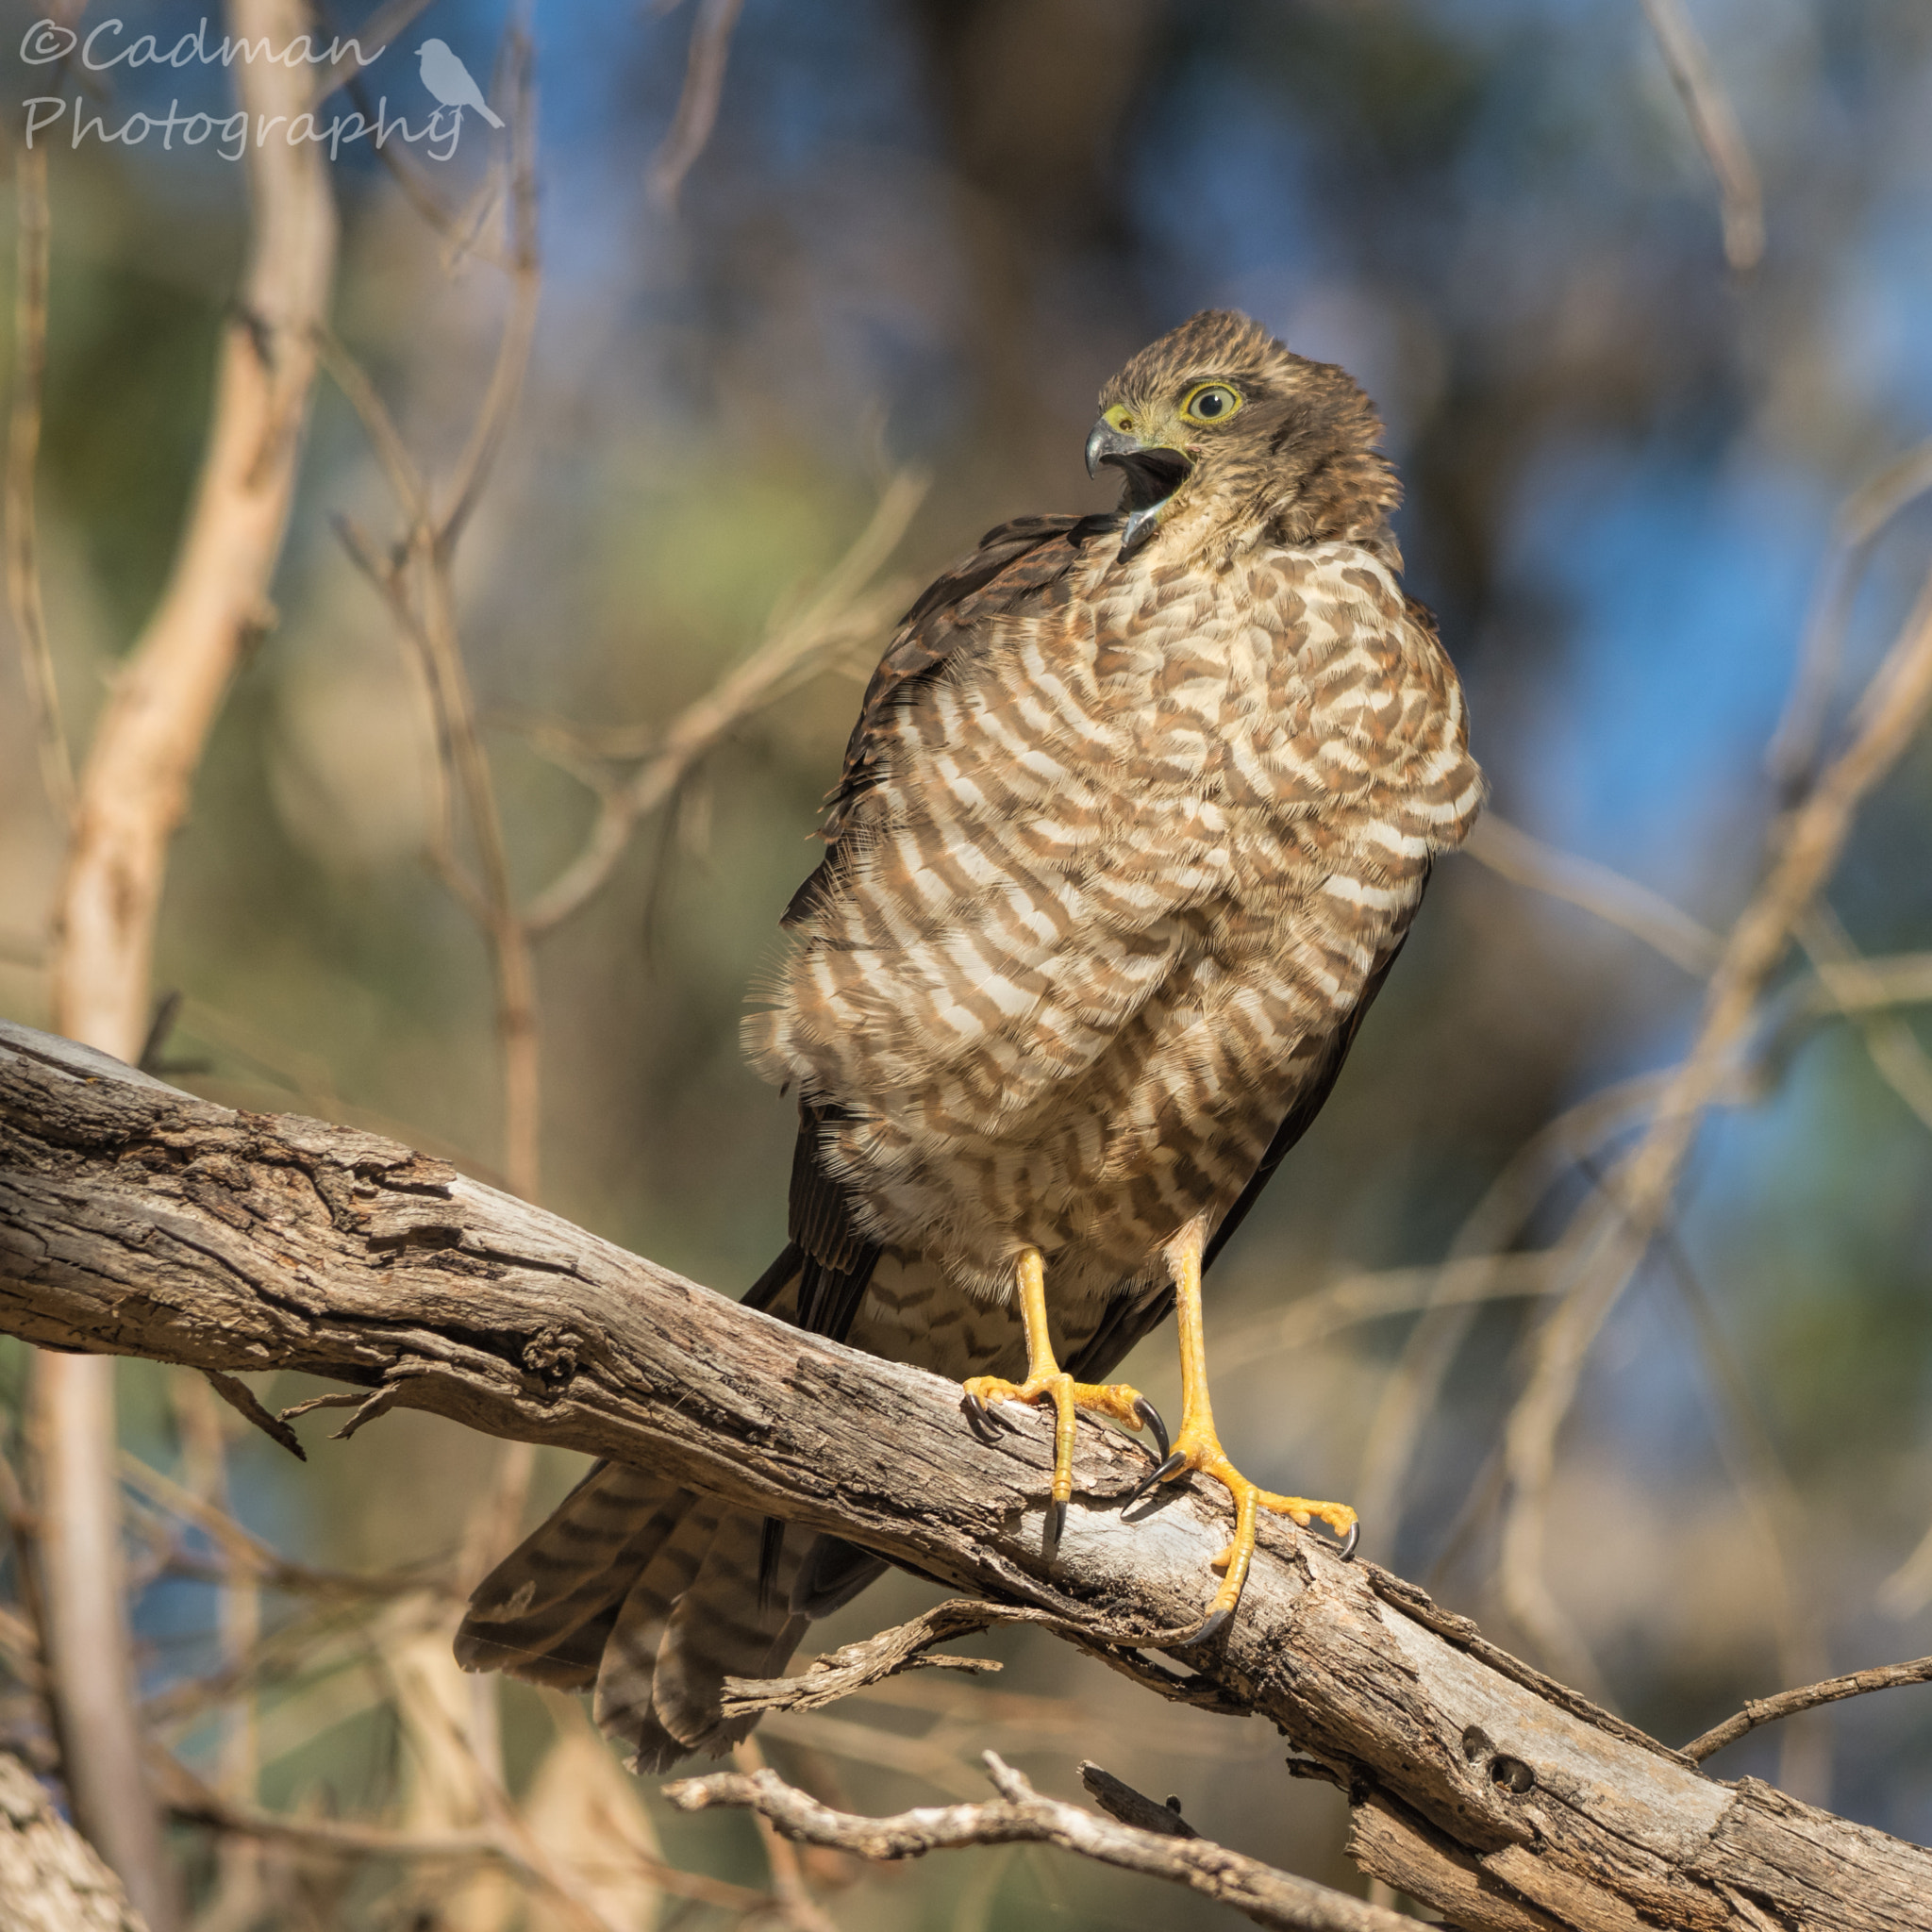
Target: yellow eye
1213, 402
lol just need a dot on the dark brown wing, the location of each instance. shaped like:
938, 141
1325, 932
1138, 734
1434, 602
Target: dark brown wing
1021, 560
1015, 562
826, 1256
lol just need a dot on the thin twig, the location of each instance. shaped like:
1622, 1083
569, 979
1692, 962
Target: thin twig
856, 1666
697, 105
1409, 1395
1794, 748
33, 231
520, 331
248, 1556
838, 615
1513, 855
238, 1890
1845, 980
428, 621
796, 1906
1908, 1589
1769, 1501
1021, 1816
1376, 1294
369, 40
1741, 195
1766, 1711
350, 1839
1606, 1243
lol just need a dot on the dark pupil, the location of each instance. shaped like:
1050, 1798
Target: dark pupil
1211, 403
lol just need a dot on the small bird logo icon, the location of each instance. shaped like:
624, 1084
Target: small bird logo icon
449, 81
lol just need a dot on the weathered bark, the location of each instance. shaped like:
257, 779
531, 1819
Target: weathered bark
136, 1220
51, 1880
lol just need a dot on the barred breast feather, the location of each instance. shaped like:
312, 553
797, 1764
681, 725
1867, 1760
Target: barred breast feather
1104, 885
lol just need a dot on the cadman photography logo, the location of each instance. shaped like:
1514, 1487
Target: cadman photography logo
105, 47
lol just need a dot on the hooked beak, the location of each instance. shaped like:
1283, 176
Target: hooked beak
1153, 472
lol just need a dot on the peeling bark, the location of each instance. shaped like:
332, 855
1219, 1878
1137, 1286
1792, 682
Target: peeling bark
135, 1219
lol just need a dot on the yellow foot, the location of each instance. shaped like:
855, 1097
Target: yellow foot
1200, 1449
1115, 1399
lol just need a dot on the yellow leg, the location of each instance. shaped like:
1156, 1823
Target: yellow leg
1046, 1381
1197, 1446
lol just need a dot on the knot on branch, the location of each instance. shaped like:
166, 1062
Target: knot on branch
551, 1355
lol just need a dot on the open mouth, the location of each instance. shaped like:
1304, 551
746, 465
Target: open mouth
1152, 477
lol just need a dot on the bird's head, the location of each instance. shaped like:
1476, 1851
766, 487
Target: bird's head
1218, 416
430, 49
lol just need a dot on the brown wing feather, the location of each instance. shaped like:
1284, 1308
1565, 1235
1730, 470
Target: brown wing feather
1015, 561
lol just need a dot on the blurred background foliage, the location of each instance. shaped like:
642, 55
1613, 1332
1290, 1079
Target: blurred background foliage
922, 234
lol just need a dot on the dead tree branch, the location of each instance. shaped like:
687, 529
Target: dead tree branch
1768, 1710
1609, 1237
1021, 1816
51, 1880
1741, 196
135, 1219
697, 105
133, 795
31, 250
1512, 854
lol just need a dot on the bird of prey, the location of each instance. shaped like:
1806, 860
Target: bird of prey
450, 81
1133, 824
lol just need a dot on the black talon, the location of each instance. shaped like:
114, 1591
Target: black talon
1172, 1466
1351, 1540
1151, 1416
1056, 1523
980, 1419
1208, 1632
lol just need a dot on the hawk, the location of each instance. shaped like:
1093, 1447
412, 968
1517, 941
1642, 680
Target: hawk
1132, 826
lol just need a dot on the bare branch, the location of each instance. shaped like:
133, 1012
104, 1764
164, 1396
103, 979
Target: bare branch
1021, 1816
1794, 748
1612, 1233
1768, 1710
83, 1630
513, 351
1849, 984
50, 1878
135, 1218
368, 39
1513, 855
1741, 195
133, 794
1497, 1220
194, 1805
697, 106
33, 228
857, 1666
840, 614
1897, 979
428, 620
797, 1907
1908, 1589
